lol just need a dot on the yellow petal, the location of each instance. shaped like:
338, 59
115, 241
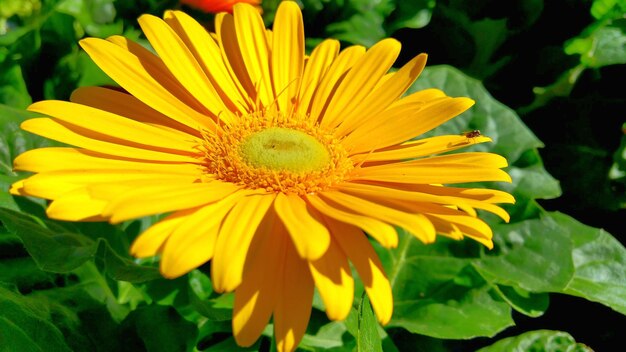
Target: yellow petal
165, 198
287, 61
382, 96
419, 148
449, 230
433, 174
370, 269
361, 141
478, 194
485, 195
471, 227
454, 168
333, 279
150, 242
111, 191
124, 104
205, 49
269, 36
400, 124
293, 309
74, 135
51, 185
183, 65
192, 243
414, 223
136, 72
316, 67
424, 96
421, 207
411, 196
333, 78
159, 72
62, 159
231, 54
256, 297
374, 191
115, 127
470, 158
45, 187
384, 233
77, 205
360, 80
310, 237
254, 49
234, 240
17, 188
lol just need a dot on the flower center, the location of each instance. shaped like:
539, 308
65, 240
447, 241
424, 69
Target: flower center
277, 153
283, 149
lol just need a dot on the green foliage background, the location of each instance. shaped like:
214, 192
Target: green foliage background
548, 80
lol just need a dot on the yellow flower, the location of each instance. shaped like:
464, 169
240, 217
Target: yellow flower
269, 163
215, 6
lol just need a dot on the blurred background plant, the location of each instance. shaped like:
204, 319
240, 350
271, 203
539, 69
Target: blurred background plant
548, 78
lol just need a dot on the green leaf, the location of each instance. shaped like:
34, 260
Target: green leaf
617, 173
228, 343
361, 22
167, 292
75, 304
606, 45
26, 325
362, 28
6, 199
609, 46
540, 340
95, 16
16, 339
22, 271
409, 14
66, 307
437, 292
95, 285
530, 179
13, 140
329, 337
160, 328
522, 258
523, 301
366, 329
599, 262
558, 254
74, 70
21, 38
489, 35
53, 252
608, 8
21, 8
13, 90
475, 33
64, 251
216, 309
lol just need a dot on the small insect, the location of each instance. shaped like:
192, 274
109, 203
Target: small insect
470, 138
471, 134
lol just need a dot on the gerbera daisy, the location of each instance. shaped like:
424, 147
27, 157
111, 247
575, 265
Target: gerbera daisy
272, 164
216, 6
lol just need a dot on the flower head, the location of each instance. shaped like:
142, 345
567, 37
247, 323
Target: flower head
272, 164
216, 6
